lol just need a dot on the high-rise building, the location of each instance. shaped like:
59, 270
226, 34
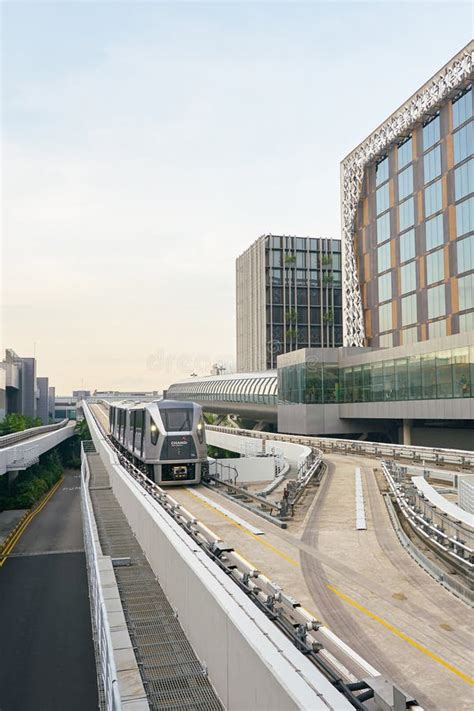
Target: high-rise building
288, 297
408, 218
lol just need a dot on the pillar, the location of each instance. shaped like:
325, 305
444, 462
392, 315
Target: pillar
406, 438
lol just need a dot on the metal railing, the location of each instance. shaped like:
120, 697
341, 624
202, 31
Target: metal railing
107, 672
449, 538
413, 453
14, 437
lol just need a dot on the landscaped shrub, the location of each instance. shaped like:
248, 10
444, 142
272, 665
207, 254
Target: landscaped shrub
31, 484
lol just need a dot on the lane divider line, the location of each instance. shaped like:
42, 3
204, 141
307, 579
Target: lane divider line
25, 523
391, 628
227, 512
248, 533
398, 633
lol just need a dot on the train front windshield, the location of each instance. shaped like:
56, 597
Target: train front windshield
177, 419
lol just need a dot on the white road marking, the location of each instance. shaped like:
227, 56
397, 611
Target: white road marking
361, 523
226, 512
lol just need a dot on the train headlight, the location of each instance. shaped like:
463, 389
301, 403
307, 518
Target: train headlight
200, 431
154, 432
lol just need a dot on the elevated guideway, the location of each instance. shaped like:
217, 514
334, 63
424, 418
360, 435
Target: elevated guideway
20, 450
170, 570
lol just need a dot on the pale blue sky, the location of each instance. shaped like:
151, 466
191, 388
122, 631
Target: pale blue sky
146, 145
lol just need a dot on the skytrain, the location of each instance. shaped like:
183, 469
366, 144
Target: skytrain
166, 438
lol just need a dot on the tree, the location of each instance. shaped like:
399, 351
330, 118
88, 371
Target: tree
14, 422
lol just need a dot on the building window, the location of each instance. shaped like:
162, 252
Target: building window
382, 198
464, 142
435, 266
276, 258
383, 258
381, 171
432, 164
383, 227
385, 317
464, 179
406, 214
276, 277
405, 183
409, 310
385, 287
301, 260
386, 340
277, 314
431, 133
407, 245
436, 301
462, 108
466, 292
466, 322
465, 248
437, 329
434, 233
409, 335
465, 217
405, 153
336, 260
408, 277
433, 198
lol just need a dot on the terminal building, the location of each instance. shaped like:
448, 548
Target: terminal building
288, 296
406, 371
408, 218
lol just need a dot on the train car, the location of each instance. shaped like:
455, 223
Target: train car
165, 438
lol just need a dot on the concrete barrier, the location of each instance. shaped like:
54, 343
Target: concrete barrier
295, 454
249, 468
251, 664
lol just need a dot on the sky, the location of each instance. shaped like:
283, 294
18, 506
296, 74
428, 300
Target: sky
145, 145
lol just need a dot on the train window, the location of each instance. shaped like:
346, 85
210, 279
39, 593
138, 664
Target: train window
177, 419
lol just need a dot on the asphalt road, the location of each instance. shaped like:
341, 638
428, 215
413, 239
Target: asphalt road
46, 650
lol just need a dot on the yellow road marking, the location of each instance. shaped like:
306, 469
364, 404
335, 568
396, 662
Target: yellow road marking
394, 630
249, 533
398, 633
11, 544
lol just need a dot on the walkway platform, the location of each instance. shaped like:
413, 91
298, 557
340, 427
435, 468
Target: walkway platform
172, 676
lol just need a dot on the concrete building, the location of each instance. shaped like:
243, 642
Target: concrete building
20, 384
51, 402
65, 406
288, 296
21, 391
81, 394
42, 407
408, 218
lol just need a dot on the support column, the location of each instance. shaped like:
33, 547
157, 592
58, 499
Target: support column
406, 438
12, 475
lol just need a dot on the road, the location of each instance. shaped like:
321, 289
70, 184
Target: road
47, 654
